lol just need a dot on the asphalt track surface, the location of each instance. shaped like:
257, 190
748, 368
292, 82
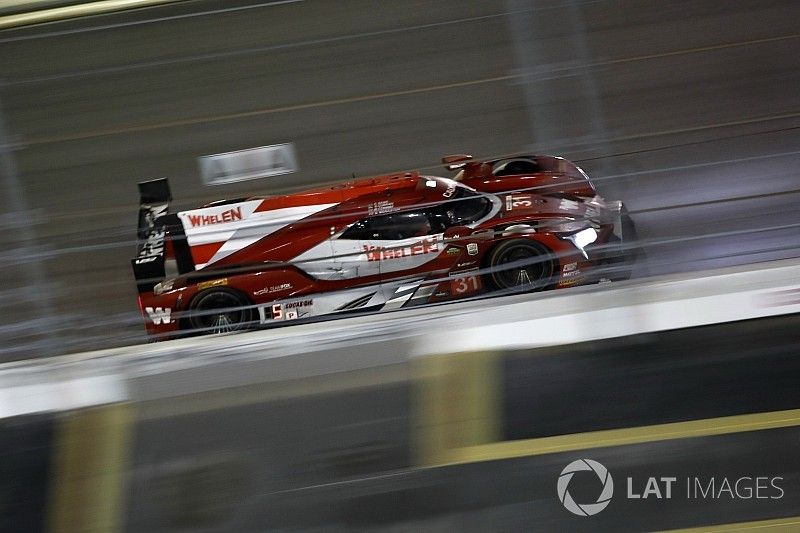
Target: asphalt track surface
686, 110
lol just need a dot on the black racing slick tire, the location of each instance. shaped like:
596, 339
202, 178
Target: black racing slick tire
520, 265
220, 310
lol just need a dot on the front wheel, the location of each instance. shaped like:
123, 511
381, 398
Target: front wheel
220, 311
521, 265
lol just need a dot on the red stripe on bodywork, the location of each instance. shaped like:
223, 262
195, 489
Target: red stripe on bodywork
202, 253
341, 192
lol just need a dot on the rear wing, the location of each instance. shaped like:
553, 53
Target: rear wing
160, 236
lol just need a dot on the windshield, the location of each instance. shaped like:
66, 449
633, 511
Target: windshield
467, 207
515, 166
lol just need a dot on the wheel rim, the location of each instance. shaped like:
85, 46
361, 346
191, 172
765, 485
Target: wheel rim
220, 312
222, 323
521, 267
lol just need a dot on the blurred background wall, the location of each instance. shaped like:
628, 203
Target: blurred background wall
364, 436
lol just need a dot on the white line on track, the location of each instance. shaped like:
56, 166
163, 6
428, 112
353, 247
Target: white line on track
221, 11
244, 51
137, 22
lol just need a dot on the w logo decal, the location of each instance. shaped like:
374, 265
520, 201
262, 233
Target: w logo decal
159, 315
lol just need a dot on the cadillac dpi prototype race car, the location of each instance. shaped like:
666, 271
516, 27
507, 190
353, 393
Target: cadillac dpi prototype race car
520, 224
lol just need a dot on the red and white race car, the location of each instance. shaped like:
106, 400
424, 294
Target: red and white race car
520, 224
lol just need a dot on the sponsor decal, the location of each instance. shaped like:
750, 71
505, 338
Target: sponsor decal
220, 218
213, 283
450, 191
517, 201
379, 253
452, 250
159, 315
292, 310
300, 303
153, 247
442, 293
472, 248
570, 272
465, 285
153, 212
379, 208
468, 263
274, 288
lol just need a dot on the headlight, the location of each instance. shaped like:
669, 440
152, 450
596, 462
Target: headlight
582, 239
164, 286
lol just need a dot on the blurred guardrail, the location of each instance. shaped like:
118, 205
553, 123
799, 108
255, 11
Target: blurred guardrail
18, 13
454, 417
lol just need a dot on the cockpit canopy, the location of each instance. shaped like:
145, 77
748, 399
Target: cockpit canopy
512, 167
463, 208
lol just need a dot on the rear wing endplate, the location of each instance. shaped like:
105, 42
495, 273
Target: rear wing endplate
159, 234
148, 265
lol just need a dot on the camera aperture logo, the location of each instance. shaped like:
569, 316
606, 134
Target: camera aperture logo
585, 509
697, 488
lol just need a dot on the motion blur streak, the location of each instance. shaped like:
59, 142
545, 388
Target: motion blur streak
268, 111
45, 14
364, 98
779, 524
230, 10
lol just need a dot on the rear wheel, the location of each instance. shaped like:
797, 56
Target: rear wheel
220, 311
521, 265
